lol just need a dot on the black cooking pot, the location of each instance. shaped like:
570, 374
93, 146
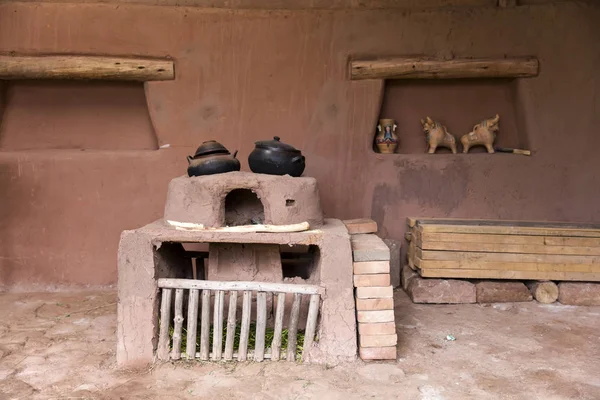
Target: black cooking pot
276, 158
212, 158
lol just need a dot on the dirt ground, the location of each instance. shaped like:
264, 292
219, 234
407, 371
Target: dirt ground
62, 346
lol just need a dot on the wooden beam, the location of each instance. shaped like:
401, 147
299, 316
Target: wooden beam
85, 67
519, 275
172, 283
431, 68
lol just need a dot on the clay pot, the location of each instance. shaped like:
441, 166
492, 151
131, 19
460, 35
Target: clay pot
212, 158
274, 157
386, 140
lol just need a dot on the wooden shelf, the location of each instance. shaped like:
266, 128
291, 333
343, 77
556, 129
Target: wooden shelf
430, 68
85, 67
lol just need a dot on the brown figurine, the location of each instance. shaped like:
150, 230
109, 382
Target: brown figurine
483, 134
437, 135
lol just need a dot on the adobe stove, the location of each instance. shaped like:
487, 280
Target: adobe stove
242, 266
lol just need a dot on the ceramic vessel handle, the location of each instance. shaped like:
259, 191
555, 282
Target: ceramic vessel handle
189, 158
298, 159
235, 153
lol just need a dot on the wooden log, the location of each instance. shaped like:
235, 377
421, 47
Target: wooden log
238, 285
162, 349
519, 275
311, 325
261, 326
545, 292
432, 68
293, 327
192, 323
205, 326
245, 329
276, 343
231, 324
85, 67
217, 347
177, 325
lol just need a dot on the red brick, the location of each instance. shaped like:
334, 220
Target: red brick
371, 267
377, 353
375, 292
361, 225
384, 328
374, 304
375, 316
371, 280
378, 340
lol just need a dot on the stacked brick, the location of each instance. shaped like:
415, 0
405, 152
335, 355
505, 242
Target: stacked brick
373, 292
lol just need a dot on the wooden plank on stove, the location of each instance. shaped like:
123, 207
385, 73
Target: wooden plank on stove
192, 323
433, 68
502, 274
504, 257
276, 343
245, 329
85, 67
162, 350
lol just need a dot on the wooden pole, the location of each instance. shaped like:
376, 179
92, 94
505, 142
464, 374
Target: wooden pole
261, 325
162, 350
311, 324
192, 324
245, 329
431, 68
85, 67
276, 344
178, 325
231, 322
218, 325
205, 326
293, 328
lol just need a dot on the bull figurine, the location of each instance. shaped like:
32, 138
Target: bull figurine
438, 136
483, 134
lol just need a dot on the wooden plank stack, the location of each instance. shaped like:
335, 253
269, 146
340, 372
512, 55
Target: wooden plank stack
374, 293
495, 249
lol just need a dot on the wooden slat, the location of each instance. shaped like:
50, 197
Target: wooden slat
432, 68
293, 328
506, 223
505, 239
245, 329
311, 324
238, 285
261, 326
162, 350
511, 248
192, 323
276, 343
504, 257
178, 325
217, 347
85, 67
508, 266
231, 323
510, 230
205, 326
501, 274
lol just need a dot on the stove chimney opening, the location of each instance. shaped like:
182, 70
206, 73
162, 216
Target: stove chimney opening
243, 207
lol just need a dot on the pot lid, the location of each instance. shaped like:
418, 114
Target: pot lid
276, 145
210, 147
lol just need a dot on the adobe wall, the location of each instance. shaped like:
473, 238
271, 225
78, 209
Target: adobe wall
249, 74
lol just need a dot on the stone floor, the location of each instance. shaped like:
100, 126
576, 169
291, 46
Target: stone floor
62, 346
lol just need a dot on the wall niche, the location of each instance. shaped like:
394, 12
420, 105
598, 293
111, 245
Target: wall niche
457, 104
61, 114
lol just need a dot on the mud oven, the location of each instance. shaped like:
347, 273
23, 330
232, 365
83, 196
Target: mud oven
203, 283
